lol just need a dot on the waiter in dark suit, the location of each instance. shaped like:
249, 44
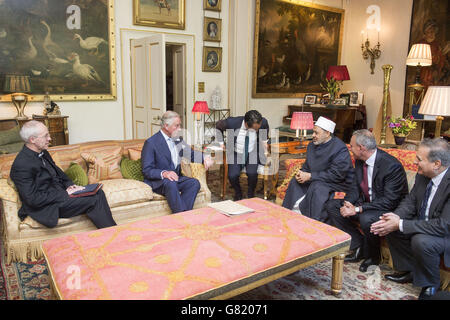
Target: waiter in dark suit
247, 139
44, 188
418, 231
380, 186
161, 159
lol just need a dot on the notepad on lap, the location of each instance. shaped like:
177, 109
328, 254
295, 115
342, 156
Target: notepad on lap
88, 190
230, 208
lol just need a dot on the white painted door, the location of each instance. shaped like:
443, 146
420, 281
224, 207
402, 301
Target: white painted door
148, 72
179, 76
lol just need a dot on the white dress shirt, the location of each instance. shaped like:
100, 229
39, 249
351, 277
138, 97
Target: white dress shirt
240, 141
436, 182
173, 151
370, 165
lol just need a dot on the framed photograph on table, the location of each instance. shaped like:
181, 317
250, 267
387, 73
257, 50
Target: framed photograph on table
346, 96
340, 102
213, 5
212, 59
360, 97
212, 29
310, 99
354, 101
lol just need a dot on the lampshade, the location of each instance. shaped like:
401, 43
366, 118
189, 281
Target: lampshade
436, 101
17, 84
420, 54
339, 73
302, 121
200, 107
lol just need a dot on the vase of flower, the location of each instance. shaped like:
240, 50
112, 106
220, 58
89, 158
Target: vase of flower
401, 127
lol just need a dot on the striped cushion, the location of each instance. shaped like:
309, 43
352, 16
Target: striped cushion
103, 164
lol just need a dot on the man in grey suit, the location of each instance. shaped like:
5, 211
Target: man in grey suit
418, 232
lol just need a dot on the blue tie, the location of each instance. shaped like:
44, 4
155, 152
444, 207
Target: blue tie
423, 207
247, 140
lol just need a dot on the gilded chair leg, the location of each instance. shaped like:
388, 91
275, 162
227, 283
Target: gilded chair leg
266, 184
337, 277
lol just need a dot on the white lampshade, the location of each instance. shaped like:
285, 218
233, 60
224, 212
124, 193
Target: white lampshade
436, 101
420, 54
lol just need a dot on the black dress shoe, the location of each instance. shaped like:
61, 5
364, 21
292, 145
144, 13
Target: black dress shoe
400, 277
366, 263
427, 293
237, 197
355, 256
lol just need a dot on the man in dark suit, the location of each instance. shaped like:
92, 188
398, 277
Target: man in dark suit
379, 187
161, 159
418, 231
44, 188
247, 139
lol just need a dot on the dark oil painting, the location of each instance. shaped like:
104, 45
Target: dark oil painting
294, 46
63, 45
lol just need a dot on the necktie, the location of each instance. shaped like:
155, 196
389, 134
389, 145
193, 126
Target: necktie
423, 207
173, 152
247, 140
365, 184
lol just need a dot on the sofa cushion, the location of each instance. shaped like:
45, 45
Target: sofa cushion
66, 155
134, 154
104, 164
120, 192
10, 136
132, 144
11, 147
131, 169
6, 162
76, 173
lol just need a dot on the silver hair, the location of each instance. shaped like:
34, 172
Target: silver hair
168, 118
366, 139
30, 129
439, 150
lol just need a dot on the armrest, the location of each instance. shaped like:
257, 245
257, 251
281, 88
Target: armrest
10, 203
197, 171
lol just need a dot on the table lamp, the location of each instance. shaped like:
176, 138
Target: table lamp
302, 121
436, 103
335, 76
199, 108
18, 86
419, 56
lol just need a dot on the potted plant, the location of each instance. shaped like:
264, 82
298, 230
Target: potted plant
401, 127
332, 86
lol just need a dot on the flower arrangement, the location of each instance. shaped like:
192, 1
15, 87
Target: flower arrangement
402, 126
332, 86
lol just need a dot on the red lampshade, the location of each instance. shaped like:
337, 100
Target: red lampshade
302, 121
200, 107
339, 73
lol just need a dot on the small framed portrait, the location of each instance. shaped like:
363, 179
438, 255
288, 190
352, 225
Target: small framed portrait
353, 99
345, 96
360, 97
340, 102
212, 29
310, 99
213, 5
212, 59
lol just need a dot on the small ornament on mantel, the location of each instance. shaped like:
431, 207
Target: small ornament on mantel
216, 99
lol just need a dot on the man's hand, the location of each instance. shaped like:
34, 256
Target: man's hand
348, 210
171, 175
303, 177
389, 222
208, 162
74, 188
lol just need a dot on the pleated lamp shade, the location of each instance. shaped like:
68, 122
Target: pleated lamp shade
200, 107
436, 101
302, 121
420, 54
17, 84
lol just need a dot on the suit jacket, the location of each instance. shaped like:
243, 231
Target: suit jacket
235, 123
389, 184
438, 223
40, 192
156, 158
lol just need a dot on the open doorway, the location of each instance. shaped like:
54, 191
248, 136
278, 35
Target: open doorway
175, 78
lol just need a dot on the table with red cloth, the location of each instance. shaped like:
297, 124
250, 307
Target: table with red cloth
198, 254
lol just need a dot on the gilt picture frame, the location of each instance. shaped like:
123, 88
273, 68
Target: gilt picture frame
212, 59
160, 13
311, 42
212, 5
212, 29
67, 50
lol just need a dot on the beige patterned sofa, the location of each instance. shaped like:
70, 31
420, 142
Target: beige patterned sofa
130, 200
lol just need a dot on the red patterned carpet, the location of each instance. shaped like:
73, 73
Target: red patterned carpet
30, 281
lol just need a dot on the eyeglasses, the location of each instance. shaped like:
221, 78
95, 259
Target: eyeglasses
46, 136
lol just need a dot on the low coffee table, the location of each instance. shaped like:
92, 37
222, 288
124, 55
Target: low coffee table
199, 254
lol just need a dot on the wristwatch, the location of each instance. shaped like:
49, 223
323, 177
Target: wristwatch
357, 209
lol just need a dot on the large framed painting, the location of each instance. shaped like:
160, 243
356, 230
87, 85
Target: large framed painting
430, 23
66, 48
159, 13
295, 43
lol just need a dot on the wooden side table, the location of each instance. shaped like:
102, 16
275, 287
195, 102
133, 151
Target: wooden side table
57, 127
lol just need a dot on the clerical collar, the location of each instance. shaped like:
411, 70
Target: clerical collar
37, 154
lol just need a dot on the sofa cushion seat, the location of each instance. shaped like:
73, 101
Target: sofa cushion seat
121, 192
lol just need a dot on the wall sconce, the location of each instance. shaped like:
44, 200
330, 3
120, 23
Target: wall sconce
372, 53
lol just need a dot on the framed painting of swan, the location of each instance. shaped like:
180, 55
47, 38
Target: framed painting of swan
159, 13
295, 42
67, 48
